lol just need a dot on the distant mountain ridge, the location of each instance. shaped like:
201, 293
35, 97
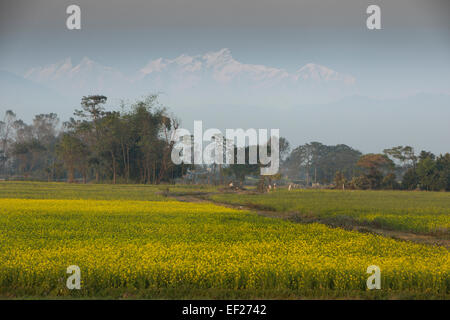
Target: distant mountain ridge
211, 71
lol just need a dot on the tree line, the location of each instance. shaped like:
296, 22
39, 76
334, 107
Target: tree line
398, 168
134, 145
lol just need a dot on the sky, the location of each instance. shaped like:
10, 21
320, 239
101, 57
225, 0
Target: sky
409, 56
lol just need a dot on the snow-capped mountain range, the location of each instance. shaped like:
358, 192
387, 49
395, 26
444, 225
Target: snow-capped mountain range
87, 75
224, 69
211, 72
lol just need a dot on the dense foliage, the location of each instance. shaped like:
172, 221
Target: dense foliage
131, 145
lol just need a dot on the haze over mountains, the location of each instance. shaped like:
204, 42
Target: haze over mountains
312, 102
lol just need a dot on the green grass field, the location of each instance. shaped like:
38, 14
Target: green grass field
421, 212
54, 190
131, 242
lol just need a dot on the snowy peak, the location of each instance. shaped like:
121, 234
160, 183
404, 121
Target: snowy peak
87, 76
157, 65
53, 71
64, 69
219, 58
316, 72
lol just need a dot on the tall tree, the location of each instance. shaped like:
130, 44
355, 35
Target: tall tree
73, 152
6, 132
375, 165
321, 162
427, 171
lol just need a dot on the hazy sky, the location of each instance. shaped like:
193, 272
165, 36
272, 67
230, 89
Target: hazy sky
282, 33
410, 55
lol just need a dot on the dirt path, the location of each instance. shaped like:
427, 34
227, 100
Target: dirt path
298, 218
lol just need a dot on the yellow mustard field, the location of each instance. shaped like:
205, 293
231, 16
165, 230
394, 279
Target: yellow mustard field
146, 246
